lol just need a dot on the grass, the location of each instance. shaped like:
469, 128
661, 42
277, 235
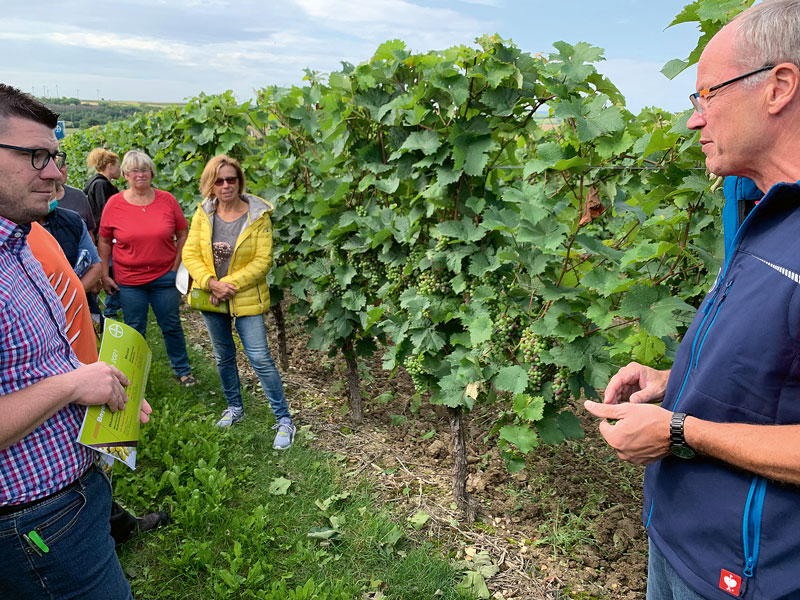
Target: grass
252, 522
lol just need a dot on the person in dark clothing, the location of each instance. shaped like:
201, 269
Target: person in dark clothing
722, 482
69, 230
74, 199
98, 190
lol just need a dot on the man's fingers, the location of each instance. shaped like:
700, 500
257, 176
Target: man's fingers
123, 380
604, 411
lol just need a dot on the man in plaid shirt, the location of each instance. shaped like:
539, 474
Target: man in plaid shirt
54, 504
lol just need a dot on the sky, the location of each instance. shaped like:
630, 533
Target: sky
171, 50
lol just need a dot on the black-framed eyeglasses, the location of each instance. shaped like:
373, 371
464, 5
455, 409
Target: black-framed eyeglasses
40, 157
229, 180
695, 98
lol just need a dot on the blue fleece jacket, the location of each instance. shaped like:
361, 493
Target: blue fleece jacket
727, 532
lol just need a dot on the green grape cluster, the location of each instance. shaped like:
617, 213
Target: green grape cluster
430, 283
561, 386
373, 278
532, 346
361, 211
506, 334
367, 268
493, 279
441, 245
394, 275
414, 258
334, 288
413, 365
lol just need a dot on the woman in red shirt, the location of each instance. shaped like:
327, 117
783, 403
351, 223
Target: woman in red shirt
148, 229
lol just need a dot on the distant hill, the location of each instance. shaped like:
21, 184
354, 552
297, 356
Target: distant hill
82, 114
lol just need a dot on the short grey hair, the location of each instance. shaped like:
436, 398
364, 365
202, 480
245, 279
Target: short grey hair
136, 159
768, 34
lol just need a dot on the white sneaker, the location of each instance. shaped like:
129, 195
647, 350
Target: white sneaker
230, 416
285, 435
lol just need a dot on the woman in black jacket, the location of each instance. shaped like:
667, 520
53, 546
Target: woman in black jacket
99, 188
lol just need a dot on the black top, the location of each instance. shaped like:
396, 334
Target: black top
98, 191
75, 199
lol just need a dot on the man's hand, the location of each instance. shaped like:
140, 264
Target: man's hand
637, 384
99, 383
222, 290
641, 433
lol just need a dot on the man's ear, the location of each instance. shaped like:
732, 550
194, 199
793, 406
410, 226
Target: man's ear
784, 87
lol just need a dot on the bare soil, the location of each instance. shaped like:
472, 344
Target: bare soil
567, 526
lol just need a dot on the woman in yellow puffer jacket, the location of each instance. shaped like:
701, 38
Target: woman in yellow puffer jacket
228, 253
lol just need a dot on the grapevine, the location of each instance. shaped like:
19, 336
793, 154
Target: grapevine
476, 214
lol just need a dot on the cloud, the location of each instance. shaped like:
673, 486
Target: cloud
378, 20
232, 55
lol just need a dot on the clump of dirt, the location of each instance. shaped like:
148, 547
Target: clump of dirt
567, 526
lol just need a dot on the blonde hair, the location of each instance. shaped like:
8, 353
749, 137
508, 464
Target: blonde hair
100, 158
211, 172
136, 159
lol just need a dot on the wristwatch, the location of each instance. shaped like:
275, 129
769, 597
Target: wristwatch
677, 442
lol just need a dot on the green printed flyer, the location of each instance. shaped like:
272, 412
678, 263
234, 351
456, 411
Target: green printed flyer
117, 434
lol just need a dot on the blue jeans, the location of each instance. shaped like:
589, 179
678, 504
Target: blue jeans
254, 339
113, 303
663, 583
165, 299
81, 562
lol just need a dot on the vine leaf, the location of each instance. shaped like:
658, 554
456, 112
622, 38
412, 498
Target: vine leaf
512, 379
279, 486
522, 436
480, 330
427, 141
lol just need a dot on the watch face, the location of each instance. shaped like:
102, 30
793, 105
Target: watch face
682, 451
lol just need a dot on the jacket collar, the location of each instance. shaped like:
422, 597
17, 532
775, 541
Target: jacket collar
258, 206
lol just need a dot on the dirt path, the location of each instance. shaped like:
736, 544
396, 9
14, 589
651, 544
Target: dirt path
568, 526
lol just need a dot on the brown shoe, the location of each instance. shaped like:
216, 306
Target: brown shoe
187, 380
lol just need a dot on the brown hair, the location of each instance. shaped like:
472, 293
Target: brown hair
100, 158
14, 103
211, 172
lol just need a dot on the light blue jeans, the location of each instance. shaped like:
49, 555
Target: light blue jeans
80, 563
663, 583
253, 334
165, 299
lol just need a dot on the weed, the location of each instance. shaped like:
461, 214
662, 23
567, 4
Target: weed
242, 513
565, 530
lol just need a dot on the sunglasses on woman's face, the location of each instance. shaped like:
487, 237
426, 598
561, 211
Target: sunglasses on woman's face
229, 180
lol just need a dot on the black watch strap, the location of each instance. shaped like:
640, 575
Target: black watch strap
677, 441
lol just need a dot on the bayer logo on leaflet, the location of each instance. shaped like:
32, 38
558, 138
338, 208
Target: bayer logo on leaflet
115, 329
